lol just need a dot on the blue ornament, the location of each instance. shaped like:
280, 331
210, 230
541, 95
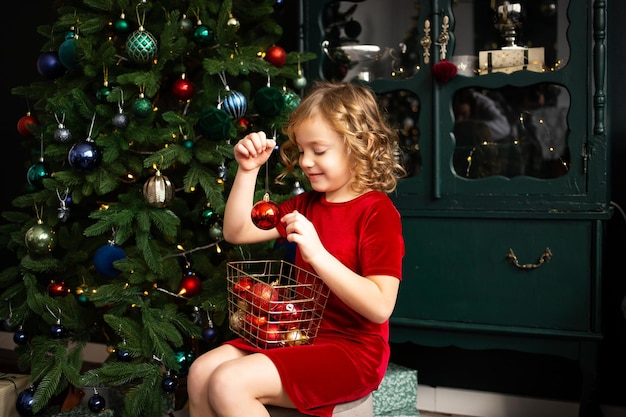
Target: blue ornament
96, 403
50, 66
105, 256
57, 331
84, 156
169, 384
25, 402
20, 337
123, 355
235, 104
209, 334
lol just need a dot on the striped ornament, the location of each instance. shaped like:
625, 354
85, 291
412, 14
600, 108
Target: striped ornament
235, 105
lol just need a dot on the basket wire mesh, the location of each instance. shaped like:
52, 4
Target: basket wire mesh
273, 303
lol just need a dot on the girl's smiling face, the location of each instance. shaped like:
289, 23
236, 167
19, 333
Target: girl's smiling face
324, 160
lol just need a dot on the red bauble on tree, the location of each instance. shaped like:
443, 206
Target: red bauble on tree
58, 289
24, 125
276, 56
183, 89
190, 285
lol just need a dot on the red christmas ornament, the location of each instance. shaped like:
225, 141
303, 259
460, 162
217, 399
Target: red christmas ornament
190, 285
24, 125
265, 214
264, 296
183, 89
58, 289
444, 71
276, 56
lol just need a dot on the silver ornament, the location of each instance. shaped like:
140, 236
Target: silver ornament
62, 134
120, 120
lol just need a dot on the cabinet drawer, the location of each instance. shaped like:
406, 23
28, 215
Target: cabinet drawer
456, 270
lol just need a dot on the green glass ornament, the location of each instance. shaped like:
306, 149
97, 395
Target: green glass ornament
141, 46
269, 101
214, 124
103, 93
208, 216
67, 54
203, 35
40, 238
36, 173
121, 25
292, 100
142, 107
188, 143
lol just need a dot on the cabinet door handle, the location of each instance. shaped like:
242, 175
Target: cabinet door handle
545, 257
426, 41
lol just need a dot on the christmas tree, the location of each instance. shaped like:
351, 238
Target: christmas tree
117, 236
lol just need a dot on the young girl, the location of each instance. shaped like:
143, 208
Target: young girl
347, 231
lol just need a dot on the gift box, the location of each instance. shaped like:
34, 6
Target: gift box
397, 392
10, 387
511, 60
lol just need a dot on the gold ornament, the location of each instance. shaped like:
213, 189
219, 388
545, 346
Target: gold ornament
294, 337
158, 190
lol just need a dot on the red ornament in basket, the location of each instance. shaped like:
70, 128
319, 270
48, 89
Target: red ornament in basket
280, 303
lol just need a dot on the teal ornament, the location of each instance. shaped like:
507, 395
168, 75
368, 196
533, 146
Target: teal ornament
36, 173
292, 100
40, 239
103, 93
214, 124
67, 54
269, 101
121, 26
184, 360
141, 46
142, 107
235, 104
104, 258
188, 144
208, 216
203, 35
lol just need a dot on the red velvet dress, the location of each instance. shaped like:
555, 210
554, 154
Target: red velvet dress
350, 354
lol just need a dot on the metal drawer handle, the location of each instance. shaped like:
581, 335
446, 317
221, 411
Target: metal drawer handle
545, 257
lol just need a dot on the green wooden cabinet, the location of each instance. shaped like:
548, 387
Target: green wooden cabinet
506, 203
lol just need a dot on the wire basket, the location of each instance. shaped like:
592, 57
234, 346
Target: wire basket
274, 303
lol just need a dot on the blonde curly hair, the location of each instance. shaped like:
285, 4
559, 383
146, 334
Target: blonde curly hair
352, 111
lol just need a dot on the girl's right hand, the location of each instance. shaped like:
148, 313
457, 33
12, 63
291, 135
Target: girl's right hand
253, 150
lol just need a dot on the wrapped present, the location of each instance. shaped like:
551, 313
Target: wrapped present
397, 391
511, 60
10, 387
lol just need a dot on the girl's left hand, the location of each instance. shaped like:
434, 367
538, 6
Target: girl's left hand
302, 232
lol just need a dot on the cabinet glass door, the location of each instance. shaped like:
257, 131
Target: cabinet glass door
511, 124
